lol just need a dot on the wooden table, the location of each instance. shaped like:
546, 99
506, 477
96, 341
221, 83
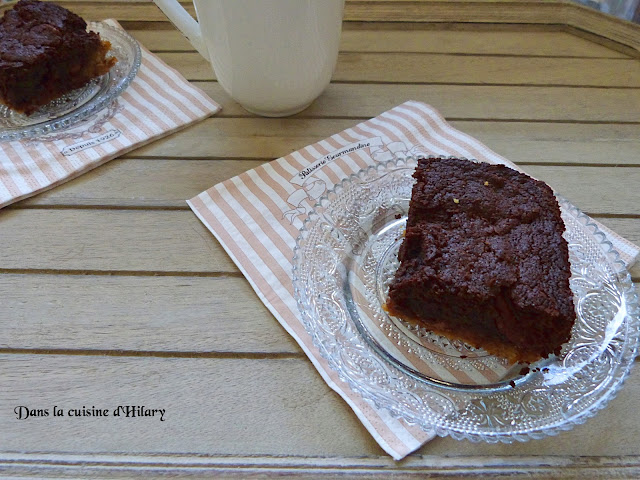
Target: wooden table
102, 279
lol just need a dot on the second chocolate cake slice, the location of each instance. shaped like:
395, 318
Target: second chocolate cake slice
484, 261
45, 52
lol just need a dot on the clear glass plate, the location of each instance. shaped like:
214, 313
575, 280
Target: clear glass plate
344, 259
68, 110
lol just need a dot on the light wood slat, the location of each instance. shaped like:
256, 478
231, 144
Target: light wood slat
169, 40
133, 313
167, 183
129, 10
558, 143
463, 11
581, 186
519, 141
426, 41
426, 68
213, 406
432, 11
470, 39
628, 228
134, 241
158, 183
225, 406
464, 101
429, 68
156, 241
143, 183
171, 316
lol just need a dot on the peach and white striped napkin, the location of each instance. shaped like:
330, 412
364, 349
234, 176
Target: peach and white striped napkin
158, 102
257, 216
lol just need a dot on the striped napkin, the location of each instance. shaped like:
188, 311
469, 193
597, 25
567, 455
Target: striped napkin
158, 102
257, 216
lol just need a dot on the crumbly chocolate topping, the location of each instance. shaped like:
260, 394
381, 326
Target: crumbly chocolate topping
32, 28
484, 252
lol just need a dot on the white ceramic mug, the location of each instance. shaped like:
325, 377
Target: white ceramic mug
274, 57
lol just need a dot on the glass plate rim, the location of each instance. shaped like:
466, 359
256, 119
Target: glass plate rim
613, 256
99, 102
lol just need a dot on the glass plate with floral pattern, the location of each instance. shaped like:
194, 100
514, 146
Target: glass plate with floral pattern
75, 106
346, 255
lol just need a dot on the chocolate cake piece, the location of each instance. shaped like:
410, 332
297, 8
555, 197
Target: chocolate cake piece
484, 261
45, 52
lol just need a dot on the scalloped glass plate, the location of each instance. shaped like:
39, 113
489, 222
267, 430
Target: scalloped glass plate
70, 109
344, 259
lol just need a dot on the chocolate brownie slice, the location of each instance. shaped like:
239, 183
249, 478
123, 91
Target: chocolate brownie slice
484, 261
45, 52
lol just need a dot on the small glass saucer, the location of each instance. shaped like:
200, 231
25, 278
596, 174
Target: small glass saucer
343, 262
70, 109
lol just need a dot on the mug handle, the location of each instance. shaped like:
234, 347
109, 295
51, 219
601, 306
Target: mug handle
185, 23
